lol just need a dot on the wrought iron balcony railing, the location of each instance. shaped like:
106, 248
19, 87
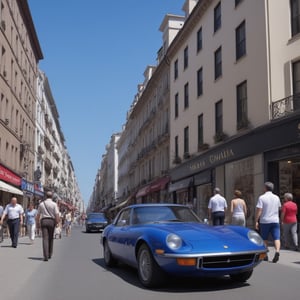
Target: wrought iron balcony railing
286, 106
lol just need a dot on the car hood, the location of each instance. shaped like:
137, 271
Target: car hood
205, 238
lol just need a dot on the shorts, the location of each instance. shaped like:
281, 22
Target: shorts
270, 228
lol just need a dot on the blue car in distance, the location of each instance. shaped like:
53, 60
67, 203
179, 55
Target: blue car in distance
95, 222
169, 239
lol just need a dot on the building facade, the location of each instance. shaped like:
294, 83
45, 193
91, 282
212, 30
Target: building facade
33, 156
234, 88
19, 57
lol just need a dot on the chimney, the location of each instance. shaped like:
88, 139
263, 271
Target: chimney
189, 6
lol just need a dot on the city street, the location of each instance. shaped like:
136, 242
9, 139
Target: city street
77, 271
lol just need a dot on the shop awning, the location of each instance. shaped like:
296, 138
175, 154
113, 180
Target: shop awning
143, 191
159, 184
121, 205
179, 185
9, 188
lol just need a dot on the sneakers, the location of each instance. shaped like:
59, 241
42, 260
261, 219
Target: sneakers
276, 257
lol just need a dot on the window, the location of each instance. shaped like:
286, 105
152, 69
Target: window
217, 17
186, 95
176, 105
237, 2
218, 63
199, 82
199, 39
176, 146
176, 69
200, 130
240, 40
241, 105
219, 117
186, 57
186, 140
296, 85
295, 16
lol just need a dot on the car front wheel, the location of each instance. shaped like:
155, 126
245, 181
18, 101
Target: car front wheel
109, 260
149, 272
241, 277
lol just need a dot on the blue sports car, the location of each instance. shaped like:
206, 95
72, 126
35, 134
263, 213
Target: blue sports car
162, 239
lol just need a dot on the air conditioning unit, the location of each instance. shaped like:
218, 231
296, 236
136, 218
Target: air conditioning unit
6, 121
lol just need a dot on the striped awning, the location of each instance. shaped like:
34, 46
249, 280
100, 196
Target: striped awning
9, 188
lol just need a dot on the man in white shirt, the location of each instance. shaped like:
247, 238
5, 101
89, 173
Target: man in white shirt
14, 212
47, 217
216, 208
267, 217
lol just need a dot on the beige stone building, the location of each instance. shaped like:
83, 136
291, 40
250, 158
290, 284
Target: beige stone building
20, 53
234, 100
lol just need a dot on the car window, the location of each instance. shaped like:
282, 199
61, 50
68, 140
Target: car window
123, 219
96, 216
151, 214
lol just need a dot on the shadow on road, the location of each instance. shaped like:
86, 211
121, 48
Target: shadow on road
35, 258
173, 284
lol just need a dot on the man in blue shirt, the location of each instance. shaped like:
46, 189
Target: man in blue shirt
14, 212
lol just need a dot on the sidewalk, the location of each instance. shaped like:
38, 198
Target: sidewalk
287, 257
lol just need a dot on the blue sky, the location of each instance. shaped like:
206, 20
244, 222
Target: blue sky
95, 54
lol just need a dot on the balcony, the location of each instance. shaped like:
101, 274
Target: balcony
285, 106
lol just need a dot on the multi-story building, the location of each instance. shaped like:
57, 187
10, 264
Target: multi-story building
19, 57
234, 100
54, 169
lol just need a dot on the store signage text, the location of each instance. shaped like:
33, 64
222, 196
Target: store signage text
9, 176
212, 159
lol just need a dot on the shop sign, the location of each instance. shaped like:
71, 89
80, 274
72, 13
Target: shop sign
212, 159
38, 189
27, 186
9, 176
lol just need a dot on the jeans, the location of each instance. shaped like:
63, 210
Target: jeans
14, 228
218, 218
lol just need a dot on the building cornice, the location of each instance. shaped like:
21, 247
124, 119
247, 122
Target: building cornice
26, 15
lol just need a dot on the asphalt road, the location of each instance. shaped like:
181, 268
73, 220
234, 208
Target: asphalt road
77, 272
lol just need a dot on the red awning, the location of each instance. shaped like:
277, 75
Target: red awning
143, 191
159, 184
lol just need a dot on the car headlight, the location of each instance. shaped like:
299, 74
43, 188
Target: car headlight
173, 241
255, 238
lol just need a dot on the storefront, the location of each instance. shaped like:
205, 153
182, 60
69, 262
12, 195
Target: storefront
10, 184
154, 192
270, 152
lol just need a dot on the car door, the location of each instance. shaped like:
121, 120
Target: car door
118, 237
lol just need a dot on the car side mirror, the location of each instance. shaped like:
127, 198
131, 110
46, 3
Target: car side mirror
122, 223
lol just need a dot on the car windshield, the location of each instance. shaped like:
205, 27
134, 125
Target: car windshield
155, 214
96, 216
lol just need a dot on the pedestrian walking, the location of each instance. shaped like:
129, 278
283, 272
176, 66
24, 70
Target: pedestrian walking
238, 209
47, 218
267, 217
30, 216
289, 221
217, 206
68, 223
14, 211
